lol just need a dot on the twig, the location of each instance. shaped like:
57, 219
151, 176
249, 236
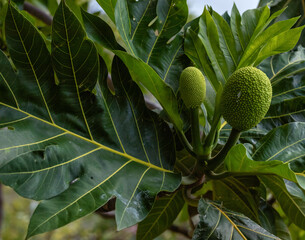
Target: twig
38, 13
189, 210
108, 207
107, 215
1, 208
180, 230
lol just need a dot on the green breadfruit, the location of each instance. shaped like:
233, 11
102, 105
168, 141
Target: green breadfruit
246, 98
192, 87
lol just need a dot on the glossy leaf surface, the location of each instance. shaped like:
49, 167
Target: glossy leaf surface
239, 161
217, 222
161, 217
285, 143
272, 221
292, 205
61, 134
238, 195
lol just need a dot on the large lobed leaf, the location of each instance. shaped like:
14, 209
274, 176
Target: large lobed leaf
73, 135
275, 154
151, 32
161, 76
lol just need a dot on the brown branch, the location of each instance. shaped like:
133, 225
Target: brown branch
1, 208
107, 215
180, 230
108, 207
38, 13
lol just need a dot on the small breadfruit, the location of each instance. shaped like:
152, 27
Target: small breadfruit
192, 87
246, 98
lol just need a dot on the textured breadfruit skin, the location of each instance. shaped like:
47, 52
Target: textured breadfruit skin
246, 98
192, 87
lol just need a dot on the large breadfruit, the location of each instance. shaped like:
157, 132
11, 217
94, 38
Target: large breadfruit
246, 98
192, 87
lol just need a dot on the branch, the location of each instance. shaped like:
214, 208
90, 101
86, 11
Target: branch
1, 208
38, 13
108, 207
180, 230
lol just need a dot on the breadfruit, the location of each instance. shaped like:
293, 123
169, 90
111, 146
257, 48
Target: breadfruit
246, 98
192, 87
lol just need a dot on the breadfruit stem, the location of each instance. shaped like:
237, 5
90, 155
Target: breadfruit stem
216, 161
210, 139
196, 140
185, 142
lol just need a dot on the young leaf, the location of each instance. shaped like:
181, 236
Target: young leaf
77, 143
217, 222
209, 36
270, 40
246, 42
294, 8
162, 215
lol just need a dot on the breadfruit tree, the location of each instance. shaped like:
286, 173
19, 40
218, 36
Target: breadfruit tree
160, 115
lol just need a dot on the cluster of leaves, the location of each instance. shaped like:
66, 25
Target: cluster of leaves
74, 143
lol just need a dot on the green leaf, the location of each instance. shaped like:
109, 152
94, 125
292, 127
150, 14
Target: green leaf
195, 50
294, 8
162, 215
217, 221
185, 162
209, 36
248, 40
293, 206
235, 194
32, 59
285, 143
272, 222
143, 74
272, 41
108, 6
99, 31
279, 44
150, 30
289, 110
239, 161
286, 72
74, 136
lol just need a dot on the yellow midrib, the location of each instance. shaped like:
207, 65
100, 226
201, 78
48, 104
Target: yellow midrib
32, 67
229, 219
99, 145
73, 70
73, 202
